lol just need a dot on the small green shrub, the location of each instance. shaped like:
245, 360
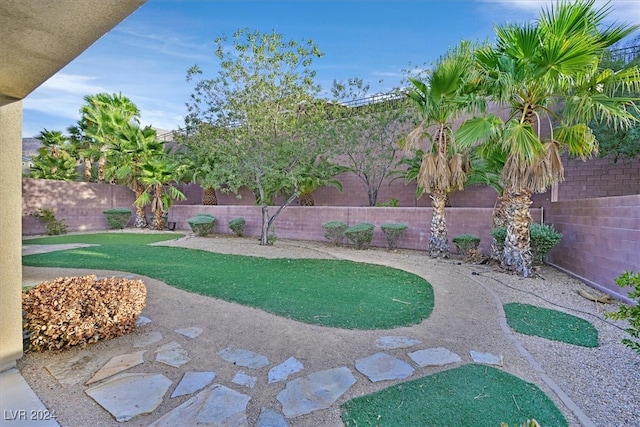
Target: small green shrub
543, 238
360, 234
467, 244
53, 225
334, 231
393, 231
391, 203
630, 313
201, 225
117, 217
237, 226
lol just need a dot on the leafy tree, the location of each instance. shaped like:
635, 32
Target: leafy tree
531, 69
101, 117
261, 114
202, 157
447, 93
365, 131
55, 159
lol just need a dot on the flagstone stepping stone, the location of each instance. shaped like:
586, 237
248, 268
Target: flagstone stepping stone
315, 391
245, 358
270, 418
486, 358
381, 367
243, 379
283, 370
148, 339
193, 381
216, 405
142, 320
118, 364
128, 395
70, 372
439, 356
189, 332
172, 354
391, 342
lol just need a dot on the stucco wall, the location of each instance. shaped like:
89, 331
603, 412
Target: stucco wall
79, 205
601, 239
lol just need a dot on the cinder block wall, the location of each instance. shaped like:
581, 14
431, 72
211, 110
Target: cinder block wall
601, 239
305, 223
78, 204
599, 178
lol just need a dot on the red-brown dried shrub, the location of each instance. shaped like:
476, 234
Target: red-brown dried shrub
70, 311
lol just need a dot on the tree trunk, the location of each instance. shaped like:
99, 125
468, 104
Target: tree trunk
517, 250
267, 221
306, 199
140, 220
102, 162
264, 235
438, 241
373, 197
159, 211
499, 220
209, 197
87, 170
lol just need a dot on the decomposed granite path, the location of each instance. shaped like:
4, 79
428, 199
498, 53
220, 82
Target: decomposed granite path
196, 360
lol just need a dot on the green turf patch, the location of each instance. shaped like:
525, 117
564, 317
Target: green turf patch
471, 395
105, 239
551, 324
333, 293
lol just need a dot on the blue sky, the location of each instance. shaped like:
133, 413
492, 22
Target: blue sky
146, 56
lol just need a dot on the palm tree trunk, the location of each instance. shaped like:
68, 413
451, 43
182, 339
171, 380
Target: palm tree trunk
102, 162
140, 220
517, 249
87, 169
306, 199
499, 220
438, 241
159, 221
209, 197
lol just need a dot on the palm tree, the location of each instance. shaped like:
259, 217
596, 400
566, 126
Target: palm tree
131, 149
101, 117
158, 180
86, 149
312, 176
533, 69
446, 94
55, 159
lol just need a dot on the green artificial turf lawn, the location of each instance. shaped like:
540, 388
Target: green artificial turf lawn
551, 324
333, 293
105, 239
471, 395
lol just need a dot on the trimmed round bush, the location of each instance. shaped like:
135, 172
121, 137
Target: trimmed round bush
467, 244
117, 217
393, 231
237, 226
543, 238
201, 225
334, 231
360, 234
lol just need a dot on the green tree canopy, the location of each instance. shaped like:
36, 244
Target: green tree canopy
259, 114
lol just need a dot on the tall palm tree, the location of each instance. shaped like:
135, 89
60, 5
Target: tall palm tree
101, 117
87, 151
56, 158
446, 94
158, 180
130, 151
531, 71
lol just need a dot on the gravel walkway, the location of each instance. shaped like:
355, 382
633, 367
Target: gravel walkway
592, 386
